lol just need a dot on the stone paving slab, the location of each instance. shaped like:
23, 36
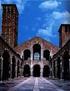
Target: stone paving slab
36, 84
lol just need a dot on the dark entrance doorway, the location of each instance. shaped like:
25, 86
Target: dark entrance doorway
46, 71
26, 71
66, 65
13, 67
6, 65
36, 70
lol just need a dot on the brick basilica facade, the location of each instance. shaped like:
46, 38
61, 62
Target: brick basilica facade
36, 57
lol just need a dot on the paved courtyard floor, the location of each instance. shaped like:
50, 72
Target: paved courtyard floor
36, 84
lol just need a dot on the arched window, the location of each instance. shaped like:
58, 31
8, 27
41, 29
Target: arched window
6, 65
26, 70
36, 52
27, 54
46, 54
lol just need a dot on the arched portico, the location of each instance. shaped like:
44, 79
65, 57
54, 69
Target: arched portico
26, 71
6, 65
36, 70
46, 71
46, 54
27, 54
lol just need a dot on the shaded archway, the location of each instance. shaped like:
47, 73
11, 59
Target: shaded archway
58, 67
26, 71
66, 65
6, 65
37, 52
46, 71
13, 66
18, 68
36, 70
27, 54
46, 54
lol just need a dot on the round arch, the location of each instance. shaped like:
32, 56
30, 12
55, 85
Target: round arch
46, 54
66, 65
6, 65
46, 71
27, 54
13, 66
26, 71
37, 52
36, 70
18, 68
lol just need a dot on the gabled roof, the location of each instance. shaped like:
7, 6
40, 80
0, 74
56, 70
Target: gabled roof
19, 48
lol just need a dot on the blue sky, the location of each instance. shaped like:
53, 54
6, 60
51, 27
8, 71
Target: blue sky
40, 18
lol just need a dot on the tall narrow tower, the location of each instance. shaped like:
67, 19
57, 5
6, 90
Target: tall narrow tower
64, 34
10, 24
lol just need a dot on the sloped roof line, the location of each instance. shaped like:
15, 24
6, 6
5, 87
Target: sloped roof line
38, 38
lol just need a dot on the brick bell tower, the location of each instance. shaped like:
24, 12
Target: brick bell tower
10, 24
64, 34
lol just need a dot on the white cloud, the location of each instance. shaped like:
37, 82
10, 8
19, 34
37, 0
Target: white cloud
48, 31
49, 4
19, 3
63, 17
59, 15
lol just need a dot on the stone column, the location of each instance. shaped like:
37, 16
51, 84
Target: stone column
20, 68
53, 69
69, 68
31, 54
1, 59
10, 67
31, 68
61, 68
41, 52
41, 72
16, 68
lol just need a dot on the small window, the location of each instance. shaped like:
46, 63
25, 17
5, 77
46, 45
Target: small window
36, 56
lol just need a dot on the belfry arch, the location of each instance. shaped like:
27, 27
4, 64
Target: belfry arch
37, 52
